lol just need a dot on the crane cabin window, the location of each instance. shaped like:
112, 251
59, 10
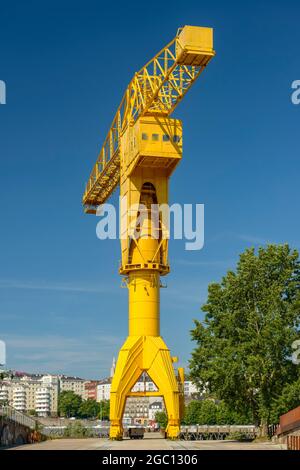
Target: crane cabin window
144, 136
166, 138
176, 139
155, 137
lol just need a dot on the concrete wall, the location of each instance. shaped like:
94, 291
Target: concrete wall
12, 433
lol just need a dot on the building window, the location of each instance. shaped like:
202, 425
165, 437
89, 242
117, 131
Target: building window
144, 136
166, 138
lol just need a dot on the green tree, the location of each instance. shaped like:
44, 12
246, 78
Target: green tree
69, 404
289, 399
207, 414
244, 344
226, 415
89, 409
210, 412
104, 407
162, 419
6, 374
192, 413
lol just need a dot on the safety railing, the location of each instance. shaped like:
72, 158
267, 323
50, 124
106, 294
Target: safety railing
16, 416
199, 432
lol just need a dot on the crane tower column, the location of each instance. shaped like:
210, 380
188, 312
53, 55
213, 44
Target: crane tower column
150, 150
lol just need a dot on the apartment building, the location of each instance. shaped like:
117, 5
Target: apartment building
4, 393
39, 393
91, 390
31, 393
136, 410
73, 384
155, 407
19, 400
103, 389
191, 391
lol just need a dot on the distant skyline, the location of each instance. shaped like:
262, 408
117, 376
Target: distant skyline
66, 65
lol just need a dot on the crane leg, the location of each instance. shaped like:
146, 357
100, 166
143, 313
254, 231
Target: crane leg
162, 373
144, 354
128, 370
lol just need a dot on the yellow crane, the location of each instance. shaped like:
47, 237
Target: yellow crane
140, 152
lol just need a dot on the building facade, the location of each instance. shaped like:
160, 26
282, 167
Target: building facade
91, 390
154, 407
38, 394
73, 384
190, 388
103, 389
30, 393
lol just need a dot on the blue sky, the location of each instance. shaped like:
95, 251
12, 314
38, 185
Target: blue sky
66, 65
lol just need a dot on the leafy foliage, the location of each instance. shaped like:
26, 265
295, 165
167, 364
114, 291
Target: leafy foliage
77, 430
289, 399
243, 351
104, 407
162, 419
89, 409
69, 404
6, 374
209, 412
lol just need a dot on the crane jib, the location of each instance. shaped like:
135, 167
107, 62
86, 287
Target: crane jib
155, 90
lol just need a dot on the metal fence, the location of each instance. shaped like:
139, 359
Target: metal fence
207, 432
293, 442
273, 429
16, 416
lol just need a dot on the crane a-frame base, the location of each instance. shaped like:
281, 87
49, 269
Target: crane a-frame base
145, 354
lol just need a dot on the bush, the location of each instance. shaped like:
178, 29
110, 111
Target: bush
161, 419
209, 412
76, 430
237, 436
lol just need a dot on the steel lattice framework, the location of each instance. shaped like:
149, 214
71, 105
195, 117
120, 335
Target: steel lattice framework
155, 90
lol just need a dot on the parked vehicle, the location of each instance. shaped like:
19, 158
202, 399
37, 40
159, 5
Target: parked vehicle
136, 433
